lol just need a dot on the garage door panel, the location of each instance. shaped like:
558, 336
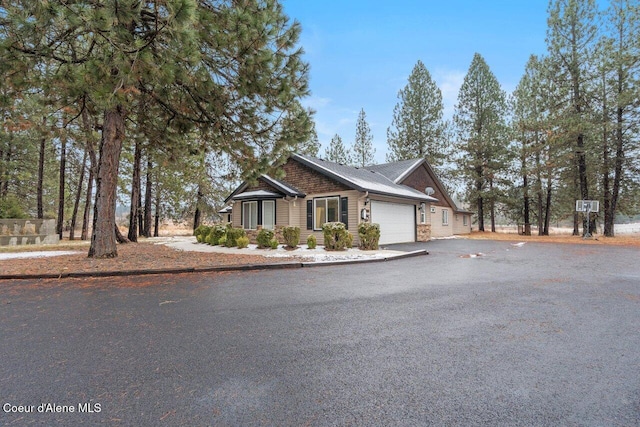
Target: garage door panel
397, 221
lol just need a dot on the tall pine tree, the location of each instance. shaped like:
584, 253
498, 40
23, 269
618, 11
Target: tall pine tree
417, 129
337, 152
480, 123
362, 148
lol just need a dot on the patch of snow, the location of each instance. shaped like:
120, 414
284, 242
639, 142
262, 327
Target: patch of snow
189, 243
448, 237
519, 244
35, 254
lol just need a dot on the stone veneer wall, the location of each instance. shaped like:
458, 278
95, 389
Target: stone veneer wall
27, 232
253, 234
424, 232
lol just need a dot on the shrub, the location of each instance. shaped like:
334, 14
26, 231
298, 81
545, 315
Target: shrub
243, 242
311, 241
201, 232
274, 244
369, 235
232, 236
291, 236
223, 241
264, 238
216, 233
336, 236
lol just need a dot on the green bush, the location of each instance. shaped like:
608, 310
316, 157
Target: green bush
201, 232
10, 208
243, 242
369, 235
291, 236
216, 233
232, 236
264, 238
274, 244
336, 236
223, 241
311, 241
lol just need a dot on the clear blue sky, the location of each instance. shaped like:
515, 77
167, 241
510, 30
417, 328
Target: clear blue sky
362, 52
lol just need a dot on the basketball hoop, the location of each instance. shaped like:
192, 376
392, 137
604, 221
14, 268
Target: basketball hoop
588, 206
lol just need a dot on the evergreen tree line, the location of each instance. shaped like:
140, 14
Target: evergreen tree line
569, 131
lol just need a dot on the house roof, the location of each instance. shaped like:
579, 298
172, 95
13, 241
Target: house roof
226, 209
397, 171
257, 194
284, 189
362, 179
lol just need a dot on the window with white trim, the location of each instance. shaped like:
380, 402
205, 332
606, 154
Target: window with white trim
250, 215
423, 214
268, 214
464, 220
445, 217
326, 209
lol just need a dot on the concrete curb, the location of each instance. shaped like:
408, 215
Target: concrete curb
244, 267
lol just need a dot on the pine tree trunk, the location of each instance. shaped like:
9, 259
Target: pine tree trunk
4, 188
120, 238
76, 204
547, 207
135, 195
93, 164
617, 174
87, 204
147, 199
492, 207
63, 164
525, 189
103, 241
40, 186
479, 202
196, 218
156, 227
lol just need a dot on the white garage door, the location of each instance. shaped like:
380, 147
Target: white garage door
397, 222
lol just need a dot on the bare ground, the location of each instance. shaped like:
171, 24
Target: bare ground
131, 256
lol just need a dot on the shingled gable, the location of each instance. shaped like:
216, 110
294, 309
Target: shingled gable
402, 171
265, 188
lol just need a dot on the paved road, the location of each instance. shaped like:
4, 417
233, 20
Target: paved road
534, 335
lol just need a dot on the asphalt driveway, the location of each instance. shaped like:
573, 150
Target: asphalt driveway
476, 333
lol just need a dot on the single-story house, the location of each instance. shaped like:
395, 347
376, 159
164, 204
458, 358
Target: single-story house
405, 198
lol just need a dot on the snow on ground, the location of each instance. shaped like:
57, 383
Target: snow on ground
626, 228
318, 254
35, 254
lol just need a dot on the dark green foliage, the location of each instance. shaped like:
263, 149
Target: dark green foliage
369, 235
232, 236
217, 232
312, 241
264, 238
201, 233
291, 236
243, 242
336, 236
10, 208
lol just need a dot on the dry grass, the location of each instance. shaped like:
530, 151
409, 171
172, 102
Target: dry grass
623, 240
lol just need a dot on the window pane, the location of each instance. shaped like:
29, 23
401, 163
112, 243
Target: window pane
320, 213
333, 209
268, 214
250, 215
